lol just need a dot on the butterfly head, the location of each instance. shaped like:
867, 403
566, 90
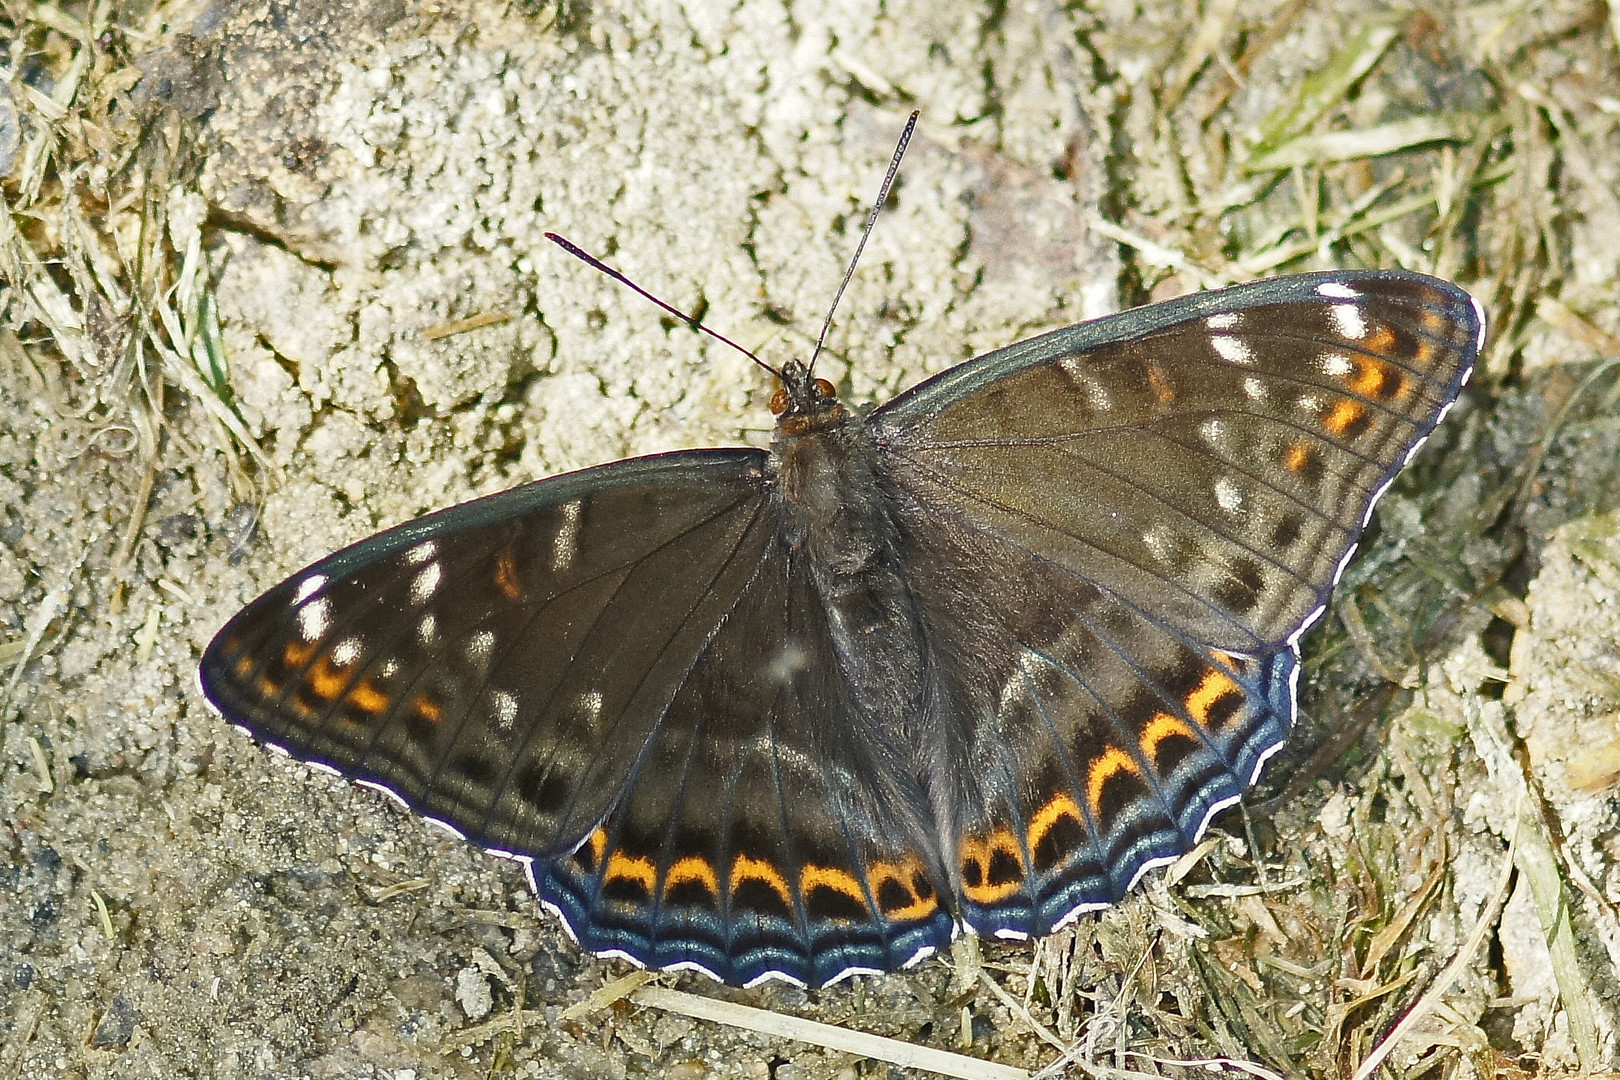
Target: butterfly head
803, 403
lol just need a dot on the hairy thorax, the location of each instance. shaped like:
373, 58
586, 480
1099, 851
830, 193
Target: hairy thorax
831, 497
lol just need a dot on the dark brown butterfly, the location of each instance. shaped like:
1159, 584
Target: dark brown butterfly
974, 660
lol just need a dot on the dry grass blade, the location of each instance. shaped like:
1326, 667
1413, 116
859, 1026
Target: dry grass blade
1364, 143
615, 990
1325, 87
906, 1055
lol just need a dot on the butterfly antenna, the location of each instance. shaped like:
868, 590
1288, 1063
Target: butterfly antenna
591, 260
871, 220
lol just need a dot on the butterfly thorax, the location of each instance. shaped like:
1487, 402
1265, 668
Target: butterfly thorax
828, 488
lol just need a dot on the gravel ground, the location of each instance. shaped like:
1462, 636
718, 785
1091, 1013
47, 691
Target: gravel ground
334, 185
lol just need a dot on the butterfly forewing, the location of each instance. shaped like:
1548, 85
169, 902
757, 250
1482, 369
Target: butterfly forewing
1210, 459
499, 665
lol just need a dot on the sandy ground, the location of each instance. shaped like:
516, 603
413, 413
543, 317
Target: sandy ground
344, 182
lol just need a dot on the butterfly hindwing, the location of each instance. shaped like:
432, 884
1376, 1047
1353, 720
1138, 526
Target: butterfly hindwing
1091, 739
767, 831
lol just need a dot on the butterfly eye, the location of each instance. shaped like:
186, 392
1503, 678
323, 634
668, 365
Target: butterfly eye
779, 401
826, 389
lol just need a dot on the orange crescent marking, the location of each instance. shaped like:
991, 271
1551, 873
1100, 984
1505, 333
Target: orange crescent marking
325, 679
427, 709
1368, 377
693, 868
598, 844
1374, 379
1343, 415
506, 578
746, 867
1056, 809
1163, 391
1216, 685
1298, 456
297, 653
637, 868
830, 877
1161, 727
982, 851
367, 698
901, 874
1111, 761
1380, 340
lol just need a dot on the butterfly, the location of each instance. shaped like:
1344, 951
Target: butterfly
974, 660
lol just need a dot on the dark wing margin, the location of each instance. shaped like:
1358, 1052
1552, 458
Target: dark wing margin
1120, 530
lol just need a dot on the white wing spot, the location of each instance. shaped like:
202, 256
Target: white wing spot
1224, 320
425, 582
590, 706
1015, 691
1161, 541
1335, 291
565, 545
479, 647
1097, 395
389, 668
427, 631
1213, 431
1254, 388
308, 587
314, 617
1232, 350
789, 660
1336, 365
346, 652
504, 706
422, 553
1229, 495
1349, 321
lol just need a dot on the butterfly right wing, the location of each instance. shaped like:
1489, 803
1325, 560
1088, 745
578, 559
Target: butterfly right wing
1118, 533
620, 677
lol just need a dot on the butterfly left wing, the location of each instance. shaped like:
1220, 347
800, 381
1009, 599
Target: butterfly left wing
623, 678
1118, 532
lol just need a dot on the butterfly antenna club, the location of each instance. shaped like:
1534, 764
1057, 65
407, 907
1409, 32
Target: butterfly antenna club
591, 260
871, 220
